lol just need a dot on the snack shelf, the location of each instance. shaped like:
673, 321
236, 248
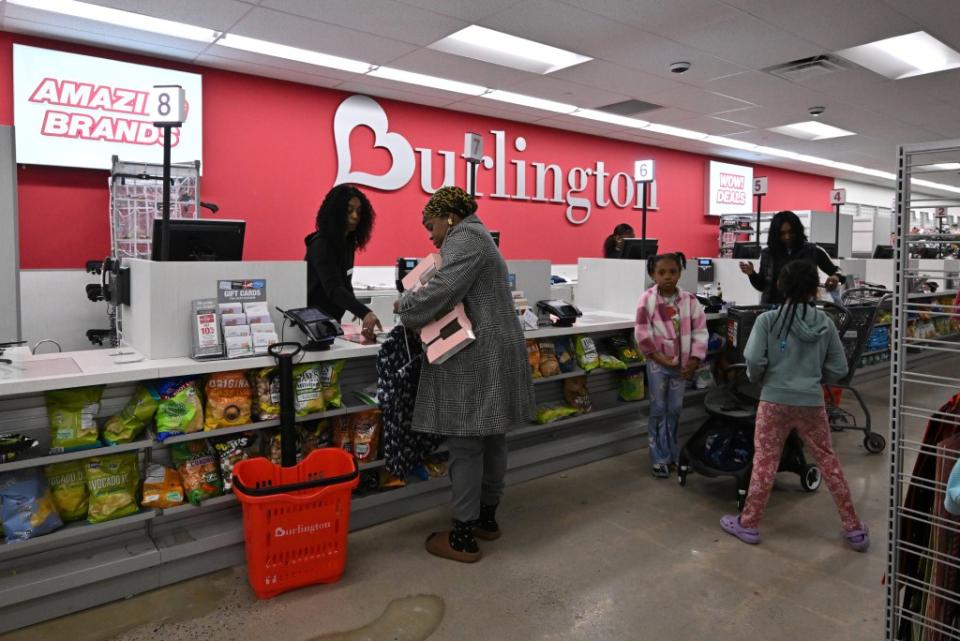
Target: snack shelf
874, 352
227, 499
941, 294
49, 459
71, 532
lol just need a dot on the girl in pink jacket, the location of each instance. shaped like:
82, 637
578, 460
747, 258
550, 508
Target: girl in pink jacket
671, 330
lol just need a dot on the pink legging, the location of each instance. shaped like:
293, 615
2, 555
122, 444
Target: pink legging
774, 422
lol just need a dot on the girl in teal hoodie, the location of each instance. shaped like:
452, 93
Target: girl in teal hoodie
791, 352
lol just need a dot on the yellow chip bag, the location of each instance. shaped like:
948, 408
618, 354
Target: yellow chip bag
229, 400
68, 485
113, 481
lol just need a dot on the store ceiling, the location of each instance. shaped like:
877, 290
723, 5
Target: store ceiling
633, 42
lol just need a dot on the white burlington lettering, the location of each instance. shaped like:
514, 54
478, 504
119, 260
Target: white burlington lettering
601, 199
500, 165
426, 169
542, 170
577, 186
627, 179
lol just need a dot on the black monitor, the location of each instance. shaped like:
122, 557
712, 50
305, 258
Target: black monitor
746, 250
638, 248
201, 239
495, 235
929, 252
883, 251
830, 248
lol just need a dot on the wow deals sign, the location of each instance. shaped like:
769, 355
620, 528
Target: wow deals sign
80, 111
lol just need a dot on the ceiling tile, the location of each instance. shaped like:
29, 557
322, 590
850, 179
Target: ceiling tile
700, 101
386, 18
393, 93
655, 16
445, 65
216, 14
252, 68
469, 10
434, 96
269, 62
715, 126
309, 34
765, 90
939, 18
495, 109
583, 125
669, 115
565, 91
618, 79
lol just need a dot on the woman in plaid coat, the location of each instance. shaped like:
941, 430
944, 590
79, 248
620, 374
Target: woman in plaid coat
478, 394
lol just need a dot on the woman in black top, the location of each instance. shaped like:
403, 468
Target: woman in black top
613, 244
344, 225
787, 242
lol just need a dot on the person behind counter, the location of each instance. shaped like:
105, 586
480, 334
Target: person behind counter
344, 224
476, 395
787, 242
613, 244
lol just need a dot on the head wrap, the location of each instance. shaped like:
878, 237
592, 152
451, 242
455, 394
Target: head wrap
447, 201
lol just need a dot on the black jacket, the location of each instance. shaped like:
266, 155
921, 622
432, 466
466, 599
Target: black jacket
330, 279
765, 279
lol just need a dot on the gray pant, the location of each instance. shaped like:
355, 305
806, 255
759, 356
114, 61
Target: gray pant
477, 467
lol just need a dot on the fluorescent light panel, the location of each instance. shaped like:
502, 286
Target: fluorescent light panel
812, 130
423, 80
286, 52
503, 49
120, 18
912, 54
530, 101
676, 131
731, 142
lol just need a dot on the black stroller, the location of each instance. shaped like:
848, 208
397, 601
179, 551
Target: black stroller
862, 306
732, 407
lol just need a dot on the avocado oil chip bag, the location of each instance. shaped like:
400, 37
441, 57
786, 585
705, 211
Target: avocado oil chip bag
113, 481
73, 418
197, 464
26, 505
180, 410
586, 350
631, 386
330, 383
68, 485
134, 417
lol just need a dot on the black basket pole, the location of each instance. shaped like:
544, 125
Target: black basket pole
288, 436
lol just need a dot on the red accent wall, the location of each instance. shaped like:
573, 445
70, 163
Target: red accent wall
269, 158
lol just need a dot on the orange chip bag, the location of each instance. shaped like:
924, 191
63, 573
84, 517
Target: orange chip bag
366, 435
533, 357
229, 400
162, 488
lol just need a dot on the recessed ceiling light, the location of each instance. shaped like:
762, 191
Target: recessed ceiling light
424, 80
530, 101
503, 49
120, 18
913, 54
306, 56
812, 130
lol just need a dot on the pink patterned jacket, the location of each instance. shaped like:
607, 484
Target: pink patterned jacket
655, 331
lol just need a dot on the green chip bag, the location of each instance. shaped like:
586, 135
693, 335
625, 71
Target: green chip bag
112, 481
330, 383
68, 484
73, 418
308, 391
551, 413
179, 410
632, 387
611, 362
586, 350
197, 463
134, 417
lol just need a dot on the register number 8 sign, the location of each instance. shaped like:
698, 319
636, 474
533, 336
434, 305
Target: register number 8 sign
168, 105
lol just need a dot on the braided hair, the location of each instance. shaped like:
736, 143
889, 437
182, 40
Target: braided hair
449, 200
798, 283
676, 257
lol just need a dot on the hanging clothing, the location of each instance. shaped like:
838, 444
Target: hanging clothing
398, 375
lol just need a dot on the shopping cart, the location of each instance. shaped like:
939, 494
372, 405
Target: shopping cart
295, 516
861, 306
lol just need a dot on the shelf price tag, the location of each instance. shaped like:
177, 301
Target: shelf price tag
168, 105
644, 170
760, 186
838, 196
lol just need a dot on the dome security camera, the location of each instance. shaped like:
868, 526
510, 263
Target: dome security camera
816, 111
680, 67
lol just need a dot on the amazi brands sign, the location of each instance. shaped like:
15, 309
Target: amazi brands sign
80, 111
579, 189
729, 189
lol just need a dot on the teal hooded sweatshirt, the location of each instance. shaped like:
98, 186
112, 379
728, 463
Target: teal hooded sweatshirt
791, 368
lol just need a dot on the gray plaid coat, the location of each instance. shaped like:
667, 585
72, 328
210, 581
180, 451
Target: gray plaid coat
486, 388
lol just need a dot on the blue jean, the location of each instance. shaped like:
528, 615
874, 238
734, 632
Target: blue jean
666, 387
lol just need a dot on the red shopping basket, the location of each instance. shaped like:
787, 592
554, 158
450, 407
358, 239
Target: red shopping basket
295, 519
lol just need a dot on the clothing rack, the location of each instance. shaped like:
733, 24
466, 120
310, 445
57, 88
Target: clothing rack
923, 552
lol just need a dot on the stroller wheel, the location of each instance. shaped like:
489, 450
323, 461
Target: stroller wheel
682, 477
838, 423
810, 478
874, 443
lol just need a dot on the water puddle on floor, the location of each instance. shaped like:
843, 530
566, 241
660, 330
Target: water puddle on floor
412, 618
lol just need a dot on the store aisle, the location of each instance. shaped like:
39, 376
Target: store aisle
599, 552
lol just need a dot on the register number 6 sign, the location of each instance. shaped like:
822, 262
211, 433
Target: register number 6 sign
643, 171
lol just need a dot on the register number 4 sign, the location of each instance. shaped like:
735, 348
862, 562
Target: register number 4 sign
580, 189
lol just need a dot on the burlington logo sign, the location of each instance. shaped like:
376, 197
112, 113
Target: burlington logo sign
580, 189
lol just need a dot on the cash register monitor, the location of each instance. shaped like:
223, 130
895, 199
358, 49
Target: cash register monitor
883, 251
201, 239
746, 250
638, 248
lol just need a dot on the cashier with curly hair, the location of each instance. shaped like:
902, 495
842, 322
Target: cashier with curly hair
475, 396
344, 225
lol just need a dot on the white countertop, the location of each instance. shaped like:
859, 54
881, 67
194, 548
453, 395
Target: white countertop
45, 372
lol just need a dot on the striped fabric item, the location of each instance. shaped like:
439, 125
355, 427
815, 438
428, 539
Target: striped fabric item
655, 331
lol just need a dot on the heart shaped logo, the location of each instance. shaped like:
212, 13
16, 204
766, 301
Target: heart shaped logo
364, 111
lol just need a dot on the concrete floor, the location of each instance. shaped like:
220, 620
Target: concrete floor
603, 551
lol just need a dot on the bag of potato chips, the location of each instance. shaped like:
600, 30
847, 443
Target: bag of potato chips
162, 488
134, 417
197, 464
68, 486
330, 383
26, 505
229, 400
73, 418
180, 410
266, 389
113, 482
